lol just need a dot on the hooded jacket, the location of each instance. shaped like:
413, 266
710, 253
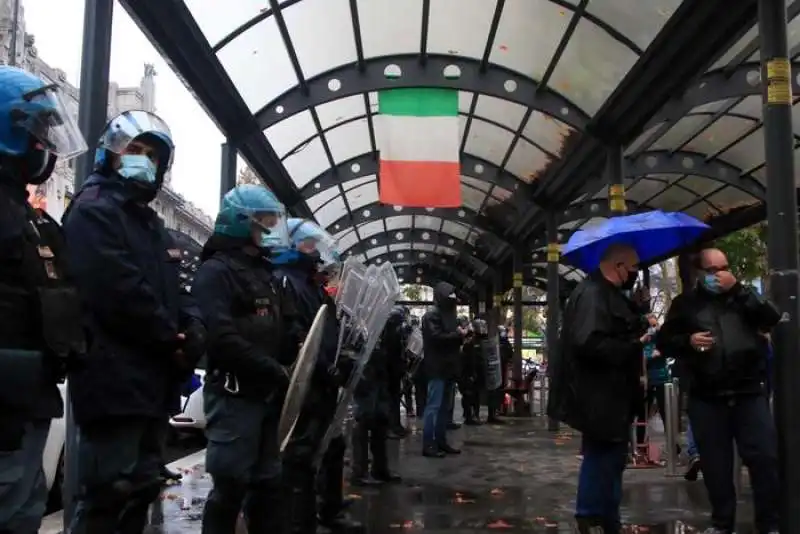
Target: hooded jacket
440, 336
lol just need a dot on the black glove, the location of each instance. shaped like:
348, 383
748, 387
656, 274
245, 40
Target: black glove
194, 346
341, 372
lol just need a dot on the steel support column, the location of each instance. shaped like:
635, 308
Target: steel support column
228, 171
516, 367
782, 251
553, 301
614, 175
95, 65
92, 118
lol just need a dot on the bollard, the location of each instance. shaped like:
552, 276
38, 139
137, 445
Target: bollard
678, 411
543, 394
532, 398
671, 429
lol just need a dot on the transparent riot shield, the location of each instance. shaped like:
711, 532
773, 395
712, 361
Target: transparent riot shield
351, 281
414, 348
414, 344
378, 294
494, 373
302, 371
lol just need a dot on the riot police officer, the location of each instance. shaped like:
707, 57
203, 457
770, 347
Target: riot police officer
372, 413
40, 329
145, 333
473, 371
397, 364
304, 270
245, 379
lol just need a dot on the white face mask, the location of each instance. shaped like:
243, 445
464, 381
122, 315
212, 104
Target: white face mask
451, 296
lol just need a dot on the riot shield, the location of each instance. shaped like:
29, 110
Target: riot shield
303, 368
379, 291
414, 347
414, 344
494, 374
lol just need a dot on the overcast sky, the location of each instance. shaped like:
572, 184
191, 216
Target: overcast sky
58, 28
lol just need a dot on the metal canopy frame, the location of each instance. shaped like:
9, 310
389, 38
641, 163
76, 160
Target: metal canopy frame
429, 274
664, 59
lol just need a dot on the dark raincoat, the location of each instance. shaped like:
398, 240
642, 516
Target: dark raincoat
125, 266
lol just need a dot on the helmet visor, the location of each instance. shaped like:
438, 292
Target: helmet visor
309, 238
132, 124
274, 229
47, 117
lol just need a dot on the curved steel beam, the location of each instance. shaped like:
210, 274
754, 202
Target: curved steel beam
475, 266
656, 162
693, 163
376, 211
744, 80
408, 265
402, 258
325, 131
408, 236
367, 165
493, 80
587, 209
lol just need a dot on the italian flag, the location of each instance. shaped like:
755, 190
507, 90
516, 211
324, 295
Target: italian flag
417, 135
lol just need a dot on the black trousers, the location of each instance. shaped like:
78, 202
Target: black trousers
420, 392
747, 421
395, 389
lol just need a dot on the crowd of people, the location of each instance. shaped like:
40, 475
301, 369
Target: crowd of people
98, 301
612, 365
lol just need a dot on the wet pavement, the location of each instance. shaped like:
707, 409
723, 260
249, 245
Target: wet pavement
513, 478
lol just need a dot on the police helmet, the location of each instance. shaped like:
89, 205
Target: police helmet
36, 125
307, 237
147, 131
249, 205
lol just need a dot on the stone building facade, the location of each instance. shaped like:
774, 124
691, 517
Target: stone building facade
178, 213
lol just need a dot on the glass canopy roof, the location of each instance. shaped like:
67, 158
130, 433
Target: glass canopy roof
532, 76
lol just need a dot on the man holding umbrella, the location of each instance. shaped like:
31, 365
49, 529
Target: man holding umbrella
601, 362
596, 372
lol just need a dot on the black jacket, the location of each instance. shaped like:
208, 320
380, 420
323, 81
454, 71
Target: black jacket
307, 295
125, 266
441, 340
599, 361
23, 274
737, 362
245, 313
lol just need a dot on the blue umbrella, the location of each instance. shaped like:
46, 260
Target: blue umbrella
652, 234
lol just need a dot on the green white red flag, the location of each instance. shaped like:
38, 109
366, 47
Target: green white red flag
418, 139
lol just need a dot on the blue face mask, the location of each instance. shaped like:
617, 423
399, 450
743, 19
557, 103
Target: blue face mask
711, 284
137, 167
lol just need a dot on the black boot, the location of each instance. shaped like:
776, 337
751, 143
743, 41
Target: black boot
590, 525
359, 475
134, 516
169, 475
222, 508
380, 458
263, 508
300, 504
332, 507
